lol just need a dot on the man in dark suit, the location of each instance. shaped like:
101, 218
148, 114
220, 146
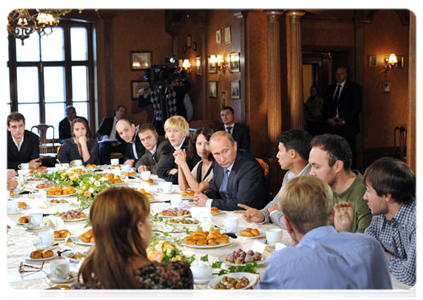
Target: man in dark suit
106, 132
157, 148
342, 108
66, 123
238, 177
240, 132
129, 133
23, 146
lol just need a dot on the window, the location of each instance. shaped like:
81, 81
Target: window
50, 72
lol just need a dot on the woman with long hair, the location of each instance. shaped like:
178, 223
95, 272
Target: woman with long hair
198, 150
80, 146
122, 230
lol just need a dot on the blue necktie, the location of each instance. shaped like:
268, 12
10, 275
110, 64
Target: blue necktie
224, 182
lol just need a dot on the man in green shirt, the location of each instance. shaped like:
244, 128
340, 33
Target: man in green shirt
330, 159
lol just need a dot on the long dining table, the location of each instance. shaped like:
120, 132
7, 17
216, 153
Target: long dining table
21, 240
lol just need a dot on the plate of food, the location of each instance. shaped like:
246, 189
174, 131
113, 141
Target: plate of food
207, 240
237, 281
86, 239
60, 235
74, 256
242, 258
185, 222
23, 220
215, 211
188, 195
35, 180
42, 255
62, 191
73, 215
44, 185
251, 233
175, 212
60, 202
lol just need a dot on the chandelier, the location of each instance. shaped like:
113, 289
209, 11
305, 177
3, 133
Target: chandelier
21, 24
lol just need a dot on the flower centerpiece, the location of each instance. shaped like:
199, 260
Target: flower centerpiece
89, 187
166, 251
71, 177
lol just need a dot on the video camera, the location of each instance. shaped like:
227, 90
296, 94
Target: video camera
160, 74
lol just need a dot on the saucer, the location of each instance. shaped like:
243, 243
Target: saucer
202, 281
46, 247
160, 191
71, 277
15, 212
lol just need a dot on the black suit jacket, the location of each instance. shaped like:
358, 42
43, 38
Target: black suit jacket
105, 128
65, 129
170, 164
349, 107
246, 184
130, 150
153, 162
30, 149
241, 135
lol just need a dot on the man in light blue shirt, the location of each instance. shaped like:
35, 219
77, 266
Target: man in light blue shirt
321, 257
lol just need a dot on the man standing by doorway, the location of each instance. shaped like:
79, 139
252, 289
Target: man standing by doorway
342, 107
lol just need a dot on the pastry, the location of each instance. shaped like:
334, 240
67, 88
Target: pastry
36, 254
21, 204
24, 219
47, 253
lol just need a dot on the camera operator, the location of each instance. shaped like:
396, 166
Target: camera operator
166, 96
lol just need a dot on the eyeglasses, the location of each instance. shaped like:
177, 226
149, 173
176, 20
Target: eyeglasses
33, 268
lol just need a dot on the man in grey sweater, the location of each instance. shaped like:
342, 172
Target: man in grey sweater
294, 149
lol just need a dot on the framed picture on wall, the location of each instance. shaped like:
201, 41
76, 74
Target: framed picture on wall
401, 61
194, 46
235, 90
213, 89
223, 101
141, 60
189, 41
386, 86
136, 85
234, 62
212, 67
228, 35
198, 67
218, 36
372, 60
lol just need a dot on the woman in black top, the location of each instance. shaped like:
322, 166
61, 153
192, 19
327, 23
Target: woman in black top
79, 146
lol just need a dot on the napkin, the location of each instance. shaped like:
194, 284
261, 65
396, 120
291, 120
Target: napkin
258, 246
202, 214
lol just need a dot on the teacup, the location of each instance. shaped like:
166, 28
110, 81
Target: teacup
231, 224
65, 166
45, 238
24, 166
35, 219
126, 168
77, 163
52, 294
24, 172
273, 236
201, 270
12, 206
176, 199
145, 175
114, 161
59, 269
57, 167
166, 187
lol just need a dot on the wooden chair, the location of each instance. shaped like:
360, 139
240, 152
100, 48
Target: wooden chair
264, 165
400, 134
413, 294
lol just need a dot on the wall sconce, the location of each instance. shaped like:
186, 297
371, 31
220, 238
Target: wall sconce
222, 64
186, 66
390, 62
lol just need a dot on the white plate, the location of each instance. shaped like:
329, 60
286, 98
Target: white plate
160, 191
76, 240
53, 246
208, 246
218, 213
42, 259
71, 277
75, 220
262, 235
66, 255
264, 260
202, 281
61, 196
28, 227
185, 225
69, 201
251, 277
18, 211
176, 217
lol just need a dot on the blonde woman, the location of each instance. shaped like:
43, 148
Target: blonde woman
122, 231
177, 132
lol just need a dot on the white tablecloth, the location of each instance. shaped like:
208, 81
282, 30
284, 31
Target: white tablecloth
21, 241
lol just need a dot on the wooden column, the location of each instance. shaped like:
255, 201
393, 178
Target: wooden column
411, 124
295, 68
274, 108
